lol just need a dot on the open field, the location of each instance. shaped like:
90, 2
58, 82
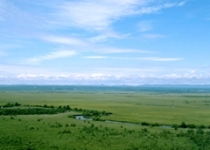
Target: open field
58, 131
165, 108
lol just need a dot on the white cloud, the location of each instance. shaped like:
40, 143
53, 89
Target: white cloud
159, 59
95, 57
107, 79
32, 76
96, 15
121, 50
99, 15
182, 3
129, 71
108, 76
87, 45
64, 40
84, 14
192, 71
104, 36
52, 55
158, 7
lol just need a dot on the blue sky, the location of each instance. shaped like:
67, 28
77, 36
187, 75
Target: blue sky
127, 42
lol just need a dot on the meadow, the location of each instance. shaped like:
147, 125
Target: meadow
140, 119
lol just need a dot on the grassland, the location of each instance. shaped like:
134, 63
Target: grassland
58, 131
130, 107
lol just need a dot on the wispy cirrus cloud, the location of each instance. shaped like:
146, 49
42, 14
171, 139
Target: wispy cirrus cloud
52, 55
91, 15
121, 50
99, 15
64, 40
104, 36
96, 15
88, 27
95, 57
159, 59
83, 44
148, 9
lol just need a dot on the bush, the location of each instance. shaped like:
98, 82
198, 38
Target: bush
145, 124
175, 126
201, 127
17, 104
155, 125
183, 125
73, 125
30, 111
10, 105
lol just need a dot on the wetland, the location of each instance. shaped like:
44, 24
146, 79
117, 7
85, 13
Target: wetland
127, 118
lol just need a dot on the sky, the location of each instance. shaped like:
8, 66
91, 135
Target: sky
110, 42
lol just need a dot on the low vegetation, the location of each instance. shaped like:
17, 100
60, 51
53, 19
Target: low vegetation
124, 121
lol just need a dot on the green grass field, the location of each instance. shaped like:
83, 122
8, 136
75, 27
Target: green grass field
131, 107
58, 131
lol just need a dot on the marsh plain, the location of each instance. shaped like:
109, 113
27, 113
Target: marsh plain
140, 117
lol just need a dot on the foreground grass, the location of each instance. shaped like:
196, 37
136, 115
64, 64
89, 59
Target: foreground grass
58, 131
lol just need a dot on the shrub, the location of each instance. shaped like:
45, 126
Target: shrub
201, 127
17, 104
31, 128
145, 124
9, 105
183, 125
45, 106
73, 125
92, 125
175, 126
155, 124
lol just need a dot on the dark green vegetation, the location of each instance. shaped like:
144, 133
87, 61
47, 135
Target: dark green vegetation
42, 118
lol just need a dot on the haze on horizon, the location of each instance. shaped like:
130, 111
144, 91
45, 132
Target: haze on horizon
112, 42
